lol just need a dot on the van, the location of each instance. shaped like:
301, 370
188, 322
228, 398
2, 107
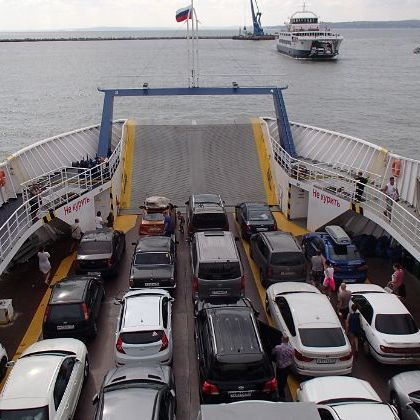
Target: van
216, 266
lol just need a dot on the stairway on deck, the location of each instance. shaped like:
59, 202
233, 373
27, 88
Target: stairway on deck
179, 160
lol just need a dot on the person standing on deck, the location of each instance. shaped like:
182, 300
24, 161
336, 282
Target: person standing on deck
397, 281
392, 193
284, 357
44, 264
99, 222
361, 181
317, 268
76, 235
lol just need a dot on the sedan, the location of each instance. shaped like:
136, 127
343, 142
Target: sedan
101, 251
46, 381
390, 333
302, 312
137, 393
253, 218
404, 391
345, 398
144, 330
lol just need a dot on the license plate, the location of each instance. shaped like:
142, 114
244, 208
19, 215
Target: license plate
93, 273
65, 327
239, 394
219, 292
151, 284
325, 361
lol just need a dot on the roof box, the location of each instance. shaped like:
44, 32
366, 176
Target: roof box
338, 235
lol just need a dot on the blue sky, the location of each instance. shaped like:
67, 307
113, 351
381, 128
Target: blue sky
68, 14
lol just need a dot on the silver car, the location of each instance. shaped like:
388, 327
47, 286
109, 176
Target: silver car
404, 391
144, 330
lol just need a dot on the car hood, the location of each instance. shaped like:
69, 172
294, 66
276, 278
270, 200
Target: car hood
82, 257
407, 382
357, 411
152, 272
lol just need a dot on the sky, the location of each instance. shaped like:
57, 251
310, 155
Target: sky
21, 15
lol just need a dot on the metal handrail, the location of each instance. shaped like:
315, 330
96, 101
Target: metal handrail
393, 213
53, 196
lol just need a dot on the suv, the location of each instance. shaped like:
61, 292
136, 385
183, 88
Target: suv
278, 256
154, 263
73, 308
206, 212
233, 363
336, 246
216, 266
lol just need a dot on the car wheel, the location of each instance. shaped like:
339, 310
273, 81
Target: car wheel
3, 367
86, 371
395, 402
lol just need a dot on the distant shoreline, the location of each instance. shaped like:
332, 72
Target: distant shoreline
113, 38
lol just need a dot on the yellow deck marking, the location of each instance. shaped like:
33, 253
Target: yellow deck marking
125, 223
128, 158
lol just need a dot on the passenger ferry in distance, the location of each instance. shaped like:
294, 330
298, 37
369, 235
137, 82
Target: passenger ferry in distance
304, 38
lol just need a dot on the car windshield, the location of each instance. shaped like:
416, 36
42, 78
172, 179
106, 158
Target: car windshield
207, 199
65, 312
209, 220
153, 217
219, 271
39, 413
287, 258
344, 253
152, 258
141, 337
398, 324
241, 372
95, 247
322, 337
260, 215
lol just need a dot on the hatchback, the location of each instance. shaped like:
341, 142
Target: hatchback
144, 330
137, 393
152, 220
336, 247
101, 251
253, 218
278, 256
154, 263
302, 312
45, 381
73, 308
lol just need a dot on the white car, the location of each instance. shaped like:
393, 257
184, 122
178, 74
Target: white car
390, 332
302, 312
345, 398
3, 361
404, 394
45, 382
144, 331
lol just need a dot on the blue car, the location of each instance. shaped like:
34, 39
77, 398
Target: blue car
336, 246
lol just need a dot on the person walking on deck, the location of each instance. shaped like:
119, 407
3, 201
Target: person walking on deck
284, 358
44, 265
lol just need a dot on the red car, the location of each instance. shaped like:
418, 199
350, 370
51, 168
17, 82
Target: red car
152, 221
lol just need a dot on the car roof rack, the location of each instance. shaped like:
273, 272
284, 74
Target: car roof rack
338, 235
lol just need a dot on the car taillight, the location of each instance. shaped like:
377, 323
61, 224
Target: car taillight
270, 386
400, 350
47, 312
243, 283
209, 389
119, 346
85, 311
165, 342
302, 358
346, 357
110, 261
195, 284
269, 271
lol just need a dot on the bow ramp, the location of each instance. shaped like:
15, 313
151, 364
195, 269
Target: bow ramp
179, 160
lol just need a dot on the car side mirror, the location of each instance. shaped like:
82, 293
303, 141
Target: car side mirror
176, 242
171, 299
142, 207
237, 238
134, 243
10, 363
95, 399
186, 203
172, 393
118, 301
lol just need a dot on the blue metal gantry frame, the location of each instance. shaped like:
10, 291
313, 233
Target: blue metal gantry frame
276, 92
256, 20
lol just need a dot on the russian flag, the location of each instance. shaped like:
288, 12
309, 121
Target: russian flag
183, 14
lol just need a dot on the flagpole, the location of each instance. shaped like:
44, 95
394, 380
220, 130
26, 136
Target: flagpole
188, 53
196, 45
192, 44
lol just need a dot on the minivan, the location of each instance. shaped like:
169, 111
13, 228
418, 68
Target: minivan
216, 266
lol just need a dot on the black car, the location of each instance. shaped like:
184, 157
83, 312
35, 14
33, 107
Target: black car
137, 392
74, 307
154, 263
101, 251
253, 218
234, 350
206, 212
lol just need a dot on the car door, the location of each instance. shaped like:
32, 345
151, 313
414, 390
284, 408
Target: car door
96, 292
167, 316
366, 312
270, 336
283, 317
259, 253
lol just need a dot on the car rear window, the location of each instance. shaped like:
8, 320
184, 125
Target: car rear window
95, 247
154, 217
141, 337
219, 270
65, 312
39, 413
255, 371
287, 258
154, 258
209, 221
399, 324
260, 215
344, 253
322, 337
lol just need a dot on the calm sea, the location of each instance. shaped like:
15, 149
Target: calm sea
372, 91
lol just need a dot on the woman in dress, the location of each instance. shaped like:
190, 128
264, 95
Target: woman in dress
44, 264
397, 280
329, 282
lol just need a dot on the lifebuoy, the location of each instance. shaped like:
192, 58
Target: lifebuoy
396, 167
2, 178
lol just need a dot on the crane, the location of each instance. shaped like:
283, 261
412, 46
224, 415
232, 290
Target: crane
256, 19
